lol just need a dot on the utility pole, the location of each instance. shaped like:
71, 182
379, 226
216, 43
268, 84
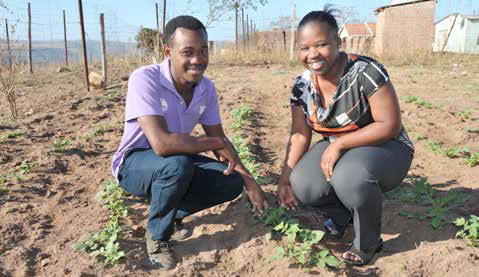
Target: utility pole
65, 38
83, 44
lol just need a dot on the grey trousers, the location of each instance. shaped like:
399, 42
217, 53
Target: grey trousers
360, 177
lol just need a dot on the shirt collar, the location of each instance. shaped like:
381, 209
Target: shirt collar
166, 79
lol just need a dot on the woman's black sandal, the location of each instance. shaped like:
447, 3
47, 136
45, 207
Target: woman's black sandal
332, 230
364, 257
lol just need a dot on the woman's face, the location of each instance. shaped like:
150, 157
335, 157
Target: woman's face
318, 47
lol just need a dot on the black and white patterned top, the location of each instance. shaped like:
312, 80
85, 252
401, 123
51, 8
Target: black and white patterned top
349, 109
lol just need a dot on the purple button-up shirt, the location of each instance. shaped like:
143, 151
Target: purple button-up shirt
151, 92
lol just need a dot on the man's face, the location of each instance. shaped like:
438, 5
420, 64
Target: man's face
187, 51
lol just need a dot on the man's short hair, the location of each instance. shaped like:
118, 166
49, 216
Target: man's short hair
182, 21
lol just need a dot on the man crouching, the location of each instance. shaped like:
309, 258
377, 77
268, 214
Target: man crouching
158, 157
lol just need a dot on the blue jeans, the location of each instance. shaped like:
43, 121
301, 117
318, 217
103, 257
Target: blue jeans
177, 186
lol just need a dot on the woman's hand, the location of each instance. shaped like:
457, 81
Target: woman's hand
286, 197
329, 158
256, 198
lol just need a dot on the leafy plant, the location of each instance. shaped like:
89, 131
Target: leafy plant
466, 114
3, 188
240, 115
104, 243
14, 134
469, 230
300, 247
112, 198
245, 155
23, 169
60, 145
422, 193
472, 159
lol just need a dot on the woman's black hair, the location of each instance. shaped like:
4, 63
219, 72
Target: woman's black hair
182, 21
324, 16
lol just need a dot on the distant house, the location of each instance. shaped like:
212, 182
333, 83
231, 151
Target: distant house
457, 33
405, 25
357, 30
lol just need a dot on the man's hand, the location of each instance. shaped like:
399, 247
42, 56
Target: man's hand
256, 197
286, 197
227, 154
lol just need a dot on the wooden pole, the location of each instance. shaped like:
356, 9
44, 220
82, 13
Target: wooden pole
236, 26
158, 31
83, 44
247, 32
243, 34
65, 38
293, 26
164, 15
8, 46
29, 16
103, 49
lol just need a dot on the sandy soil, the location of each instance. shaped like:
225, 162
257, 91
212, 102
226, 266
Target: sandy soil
46, 213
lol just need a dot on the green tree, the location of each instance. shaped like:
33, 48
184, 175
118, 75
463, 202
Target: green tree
218, 9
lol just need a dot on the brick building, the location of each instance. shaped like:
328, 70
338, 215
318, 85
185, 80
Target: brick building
405, 25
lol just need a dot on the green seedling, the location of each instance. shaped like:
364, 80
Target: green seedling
470, 228
273, 216
14, 134
434, 146
245, 155
472, 159
23, 169
60, 145
465, 115
418, 137
300, 247
104, 244
453, 152
422, 193
3, 188
419, 101
111, 196
240, 115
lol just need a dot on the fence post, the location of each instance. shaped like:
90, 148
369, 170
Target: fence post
236, 26
103, 49
293, 26
29, 16
247, 32
65, 38
158, 31
8, 46
83, 44
164, 15
243, 34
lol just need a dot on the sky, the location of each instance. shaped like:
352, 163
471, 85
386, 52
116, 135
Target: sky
124, 17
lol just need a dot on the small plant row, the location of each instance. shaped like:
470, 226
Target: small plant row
455, 152
301, 244
420, 102
104, 244
240, 115
469, 157
421, 192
